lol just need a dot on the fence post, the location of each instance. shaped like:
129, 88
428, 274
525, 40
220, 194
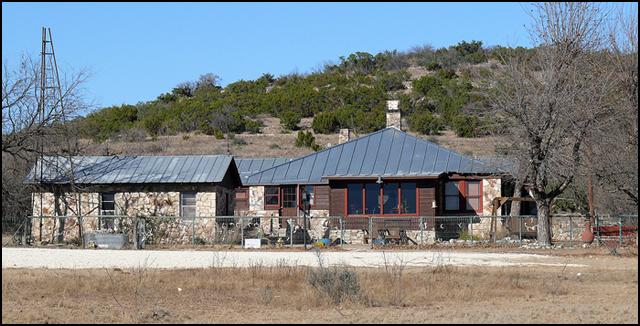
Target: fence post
421, 230
620, 228
520, 228
597, 229
193, 231
241, 232
341, 232
570, 232
135, 233
370, 230
471, 228
290, 233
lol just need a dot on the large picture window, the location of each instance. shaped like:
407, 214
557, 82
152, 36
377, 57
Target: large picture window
393, 198
271, 197
408, 199
354, 199
372, 191
390, 198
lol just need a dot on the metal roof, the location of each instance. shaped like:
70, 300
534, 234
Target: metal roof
387, 153
250, 165
132, 169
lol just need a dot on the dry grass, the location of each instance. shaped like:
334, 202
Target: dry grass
272, 142
284, 294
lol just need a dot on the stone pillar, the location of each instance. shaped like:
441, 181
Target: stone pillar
394, 118
343, 137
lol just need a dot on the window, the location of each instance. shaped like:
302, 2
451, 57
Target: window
307, 192
408, 198
188, 204
390, 198
289, 199
107, 204
452, 196
463, 196
473, 195
242, 194
354, 198
271, 197
107, 207
372, 194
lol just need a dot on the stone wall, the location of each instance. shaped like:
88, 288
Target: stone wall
565, 228
491, 188
132, 204
49, 229
148, 203
206, 204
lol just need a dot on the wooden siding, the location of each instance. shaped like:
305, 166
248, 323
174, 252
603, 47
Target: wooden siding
321, 197
242, 203
427, 194
337, 199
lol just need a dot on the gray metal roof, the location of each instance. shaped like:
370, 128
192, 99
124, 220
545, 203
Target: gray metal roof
250, 165
132, 169
387, 153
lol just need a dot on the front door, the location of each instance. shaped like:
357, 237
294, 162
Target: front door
289, 202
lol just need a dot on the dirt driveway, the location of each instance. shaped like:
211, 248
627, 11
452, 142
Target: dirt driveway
82, 259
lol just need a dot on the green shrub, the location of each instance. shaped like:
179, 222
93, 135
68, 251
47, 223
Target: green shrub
426, 123
466, 235
290, 120
446, 73
325, 123
465, 125
218, 134
426, 84
207, 129
152, 124
433, 66
306, 139
252, 126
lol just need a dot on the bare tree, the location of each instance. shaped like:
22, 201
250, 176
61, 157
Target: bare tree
614, 146
29, 132
549, 103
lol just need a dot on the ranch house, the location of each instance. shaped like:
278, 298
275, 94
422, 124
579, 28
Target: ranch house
388, 174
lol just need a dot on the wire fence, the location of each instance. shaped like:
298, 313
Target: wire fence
120, 231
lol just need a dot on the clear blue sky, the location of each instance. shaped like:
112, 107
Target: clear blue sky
135, 51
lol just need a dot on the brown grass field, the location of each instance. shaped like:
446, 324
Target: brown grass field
604, 292
272, 142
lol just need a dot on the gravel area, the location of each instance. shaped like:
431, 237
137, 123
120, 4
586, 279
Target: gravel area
80, 259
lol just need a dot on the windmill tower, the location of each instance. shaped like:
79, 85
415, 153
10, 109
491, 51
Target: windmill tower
50, 101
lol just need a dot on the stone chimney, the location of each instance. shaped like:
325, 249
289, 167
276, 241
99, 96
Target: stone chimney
343, 137
394, 118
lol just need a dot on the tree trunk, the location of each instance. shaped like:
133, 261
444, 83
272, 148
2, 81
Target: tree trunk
544, 225
517, 192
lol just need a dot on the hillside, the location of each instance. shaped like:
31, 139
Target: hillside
271, 142
442, 93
